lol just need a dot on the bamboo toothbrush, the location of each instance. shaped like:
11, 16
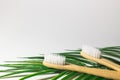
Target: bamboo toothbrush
58, 62
93, 54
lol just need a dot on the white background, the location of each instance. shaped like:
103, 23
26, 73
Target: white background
28, 27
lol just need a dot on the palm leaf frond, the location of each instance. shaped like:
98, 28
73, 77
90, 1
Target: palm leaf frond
33, 65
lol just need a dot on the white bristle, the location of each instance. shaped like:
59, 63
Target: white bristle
91, 51
54, 59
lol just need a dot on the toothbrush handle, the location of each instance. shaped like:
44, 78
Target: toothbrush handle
110, 64
110, 74
102, 61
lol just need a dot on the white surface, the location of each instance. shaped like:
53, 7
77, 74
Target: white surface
28, 27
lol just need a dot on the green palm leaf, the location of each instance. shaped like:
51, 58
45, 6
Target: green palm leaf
33, 65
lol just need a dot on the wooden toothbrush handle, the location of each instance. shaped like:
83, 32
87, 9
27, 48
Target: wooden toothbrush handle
102, 61
110, 74
111, 64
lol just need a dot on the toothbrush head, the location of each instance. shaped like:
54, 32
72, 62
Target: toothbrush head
91, 51
54, 59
